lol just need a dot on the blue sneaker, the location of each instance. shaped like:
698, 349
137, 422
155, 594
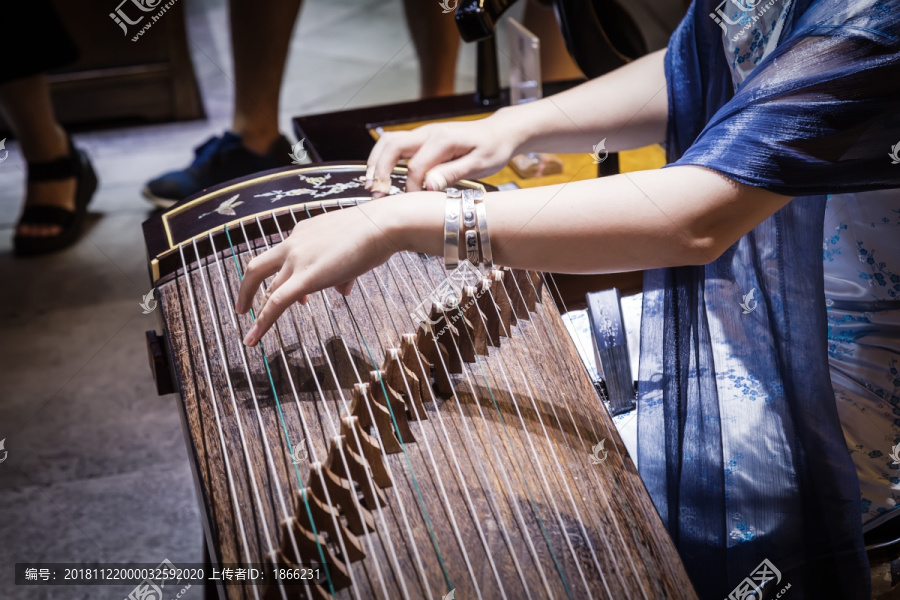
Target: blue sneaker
217, 160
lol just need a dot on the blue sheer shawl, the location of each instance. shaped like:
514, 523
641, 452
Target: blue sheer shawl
739, 441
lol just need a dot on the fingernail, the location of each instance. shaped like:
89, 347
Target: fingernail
238, 307
435, 182
252, 336
377, 195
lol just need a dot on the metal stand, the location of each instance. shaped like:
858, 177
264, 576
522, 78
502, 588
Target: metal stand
611, 348
487, 86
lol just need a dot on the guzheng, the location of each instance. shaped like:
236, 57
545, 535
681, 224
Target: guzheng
432, 435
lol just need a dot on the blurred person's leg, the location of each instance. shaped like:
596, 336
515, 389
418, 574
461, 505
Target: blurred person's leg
61, 180
556, 64
260, 38
27, 109
436, 39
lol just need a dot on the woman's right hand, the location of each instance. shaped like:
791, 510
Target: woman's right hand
440, 154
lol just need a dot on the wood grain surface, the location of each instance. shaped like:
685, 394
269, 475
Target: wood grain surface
481, 479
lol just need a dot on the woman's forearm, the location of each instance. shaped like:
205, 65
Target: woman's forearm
628, 107
649, 219
676, 216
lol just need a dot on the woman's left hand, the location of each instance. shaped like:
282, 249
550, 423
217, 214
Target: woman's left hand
330, 250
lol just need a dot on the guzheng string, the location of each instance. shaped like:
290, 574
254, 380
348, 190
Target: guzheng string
460, 480
405, 454
481, 316
515, 457
212, 393
229, 301
223, 358
440, 480
601, 487
385, 297
487, 374
545, 277
550, 496
338, 335
303, 494
486, 487
538, 463
390, 354
533, 326
593, 473
499, 464
306, 430
565, 403
549, 277
525, 325
340, 540
449, 445
328, 416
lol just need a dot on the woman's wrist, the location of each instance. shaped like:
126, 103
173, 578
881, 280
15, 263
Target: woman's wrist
508, 125
413, 222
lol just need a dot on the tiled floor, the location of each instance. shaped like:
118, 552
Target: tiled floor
97, 468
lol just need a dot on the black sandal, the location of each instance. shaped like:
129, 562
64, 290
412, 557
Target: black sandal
77, 165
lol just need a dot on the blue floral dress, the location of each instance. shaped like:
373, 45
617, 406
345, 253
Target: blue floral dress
862, 293
741, 443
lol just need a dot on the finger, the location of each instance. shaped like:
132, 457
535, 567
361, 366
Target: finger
435, 182
432, 153
255, 273
280, 277
345, 288
403, 146
449, 173
373, 160
278, 302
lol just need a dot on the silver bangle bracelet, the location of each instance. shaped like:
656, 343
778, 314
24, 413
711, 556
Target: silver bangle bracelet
451, 228
472, 254
468, 206
487, 256
470, 226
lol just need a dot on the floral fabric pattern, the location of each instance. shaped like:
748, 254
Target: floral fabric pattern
861, 253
